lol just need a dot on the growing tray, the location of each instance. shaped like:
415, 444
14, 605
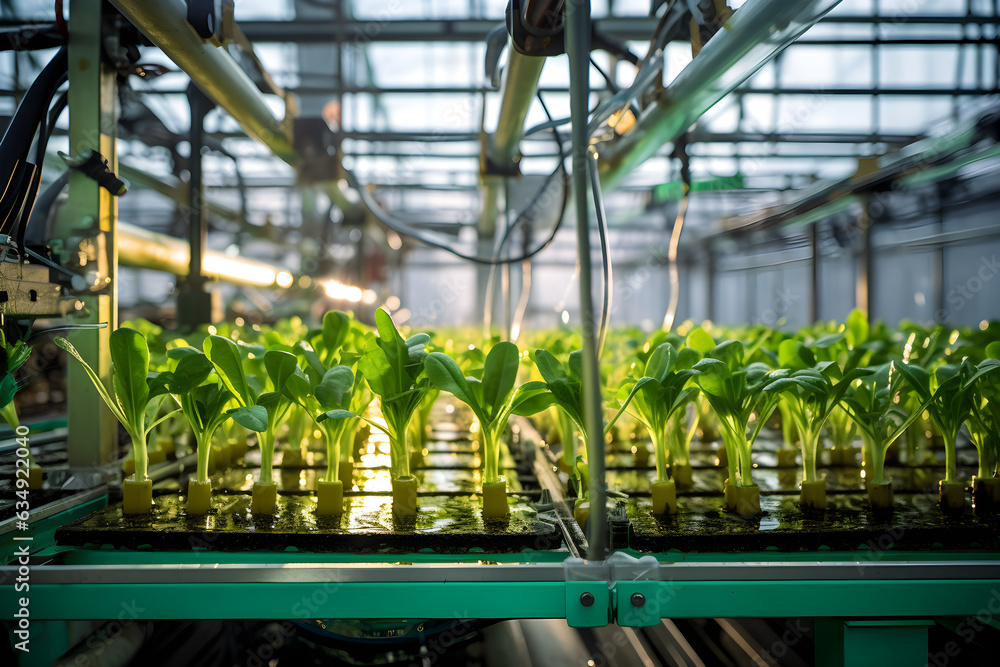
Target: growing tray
444, 524
917, 523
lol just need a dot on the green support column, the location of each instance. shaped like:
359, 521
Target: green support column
85, 233
872, 643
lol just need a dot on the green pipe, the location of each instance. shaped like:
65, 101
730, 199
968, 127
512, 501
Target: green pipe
757, 32
145, 249
517, 90
164, 22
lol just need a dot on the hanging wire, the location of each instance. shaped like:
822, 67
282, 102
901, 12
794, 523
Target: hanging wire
602, 229
675, 239
522, 304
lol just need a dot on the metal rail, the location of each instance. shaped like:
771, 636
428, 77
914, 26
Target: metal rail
621, 28
319, 572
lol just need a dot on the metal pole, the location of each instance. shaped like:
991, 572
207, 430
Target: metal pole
146, 249
194, 305
164, 22
89, 219
813, 274
198, 223
578, 50
517, 90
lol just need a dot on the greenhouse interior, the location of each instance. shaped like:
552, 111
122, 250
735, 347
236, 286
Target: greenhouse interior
500, 332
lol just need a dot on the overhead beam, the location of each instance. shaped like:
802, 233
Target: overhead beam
360, 32
479, 90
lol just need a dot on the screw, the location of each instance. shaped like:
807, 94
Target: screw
587, 599
638, 599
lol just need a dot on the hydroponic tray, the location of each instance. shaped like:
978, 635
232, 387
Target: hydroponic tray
444, 524
917, 523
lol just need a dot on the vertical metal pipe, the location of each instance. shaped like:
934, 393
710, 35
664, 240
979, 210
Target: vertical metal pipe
198, 223
710, 291
813, 274
91, 211
863, 261
578, 51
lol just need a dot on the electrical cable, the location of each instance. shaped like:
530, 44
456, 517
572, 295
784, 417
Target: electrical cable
49, 125
404, 228
612, 86
20, 178
602, 229
61, 20
522, 304
46, 127
675, 239
649, 69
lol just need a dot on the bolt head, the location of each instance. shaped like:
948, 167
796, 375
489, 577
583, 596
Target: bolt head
587, 599
638, 599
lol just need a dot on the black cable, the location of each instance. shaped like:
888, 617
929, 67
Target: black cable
45, 130
612, 86
241, 185
48, 125
602, 229
16, 143
402, 227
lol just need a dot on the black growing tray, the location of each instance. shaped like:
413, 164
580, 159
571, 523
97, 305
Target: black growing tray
916, 523
444, 525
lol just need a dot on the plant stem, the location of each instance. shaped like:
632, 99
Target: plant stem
399, 464
810, 445
746, 465
332, 451
203, 443
266, 456
732, 454
568, 436
491, 455
985, 464
878, 451
660, 450
950, 457
9, 413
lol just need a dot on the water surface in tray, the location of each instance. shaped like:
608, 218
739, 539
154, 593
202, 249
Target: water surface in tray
448, 522
367, 480
840, 479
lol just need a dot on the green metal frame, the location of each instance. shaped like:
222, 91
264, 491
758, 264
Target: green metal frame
860, 621
88, 221
838, 598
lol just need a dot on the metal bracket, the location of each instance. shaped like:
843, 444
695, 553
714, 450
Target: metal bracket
588, 596
636, 590
95, 166
623, 589
537, 35
208, 18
